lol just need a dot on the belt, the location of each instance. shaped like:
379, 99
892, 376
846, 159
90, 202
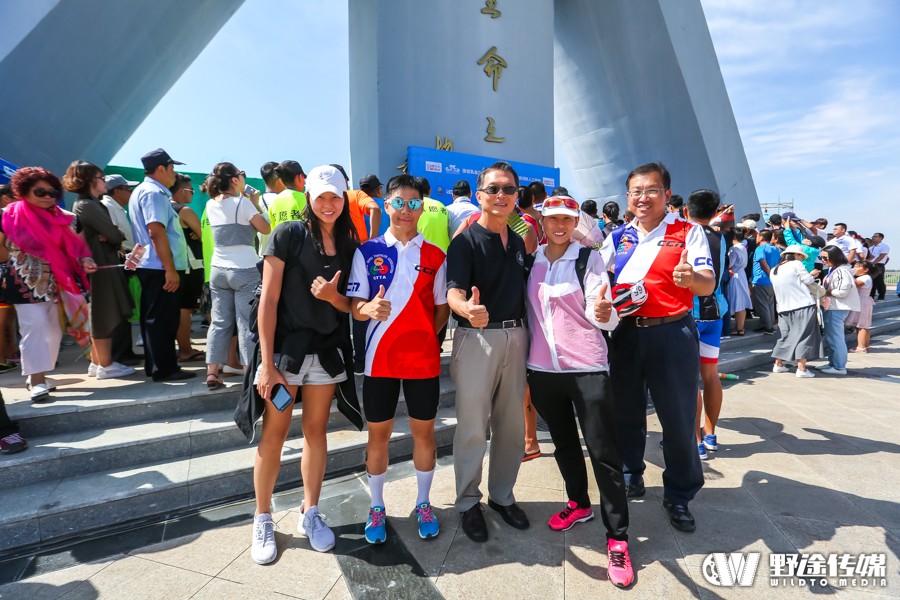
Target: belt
510, 324
653, 321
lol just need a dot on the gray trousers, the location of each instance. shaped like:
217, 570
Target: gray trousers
764, 304
231, 291
488, 368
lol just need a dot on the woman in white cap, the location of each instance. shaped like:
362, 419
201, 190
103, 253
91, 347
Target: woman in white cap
304, 344
569, 302
800, 339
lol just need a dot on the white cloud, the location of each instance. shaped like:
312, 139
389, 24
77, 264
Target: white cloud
765, 37
854, 117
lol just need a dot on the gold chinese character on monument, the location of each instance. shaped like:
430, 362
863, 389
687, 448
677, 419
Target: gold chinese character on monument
490, 8
443, 143
490, 137
493, 65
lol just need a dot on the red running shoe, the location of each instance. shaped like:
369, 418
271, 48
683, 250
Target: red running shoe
619, 569
567, 517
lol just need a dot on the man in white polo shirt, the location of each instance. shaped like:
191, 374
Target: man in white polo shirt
661, 262
848, 244
879, 251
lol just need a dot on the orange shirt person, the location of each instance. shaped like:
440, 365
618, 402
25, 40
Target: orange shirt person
362, 203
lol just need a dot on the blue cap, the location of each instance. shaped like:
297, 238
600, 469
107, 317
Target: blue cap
157, 158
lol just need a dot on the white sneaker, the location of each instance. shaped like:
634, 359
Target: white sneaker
829, 370
263, 551
92, 370
803, 374
114, 371
780, 369
51, 385
40, 392
312, 525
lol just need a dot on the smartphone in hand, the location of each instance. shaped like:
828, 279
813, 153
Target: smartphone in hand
281, 398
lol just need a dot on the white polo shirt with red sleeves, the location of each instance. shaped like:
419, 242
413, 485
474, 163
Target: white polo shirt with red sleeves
651, 259
415, 281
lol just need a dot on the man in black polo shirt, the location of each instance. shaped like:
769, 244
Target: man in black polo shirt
485, 288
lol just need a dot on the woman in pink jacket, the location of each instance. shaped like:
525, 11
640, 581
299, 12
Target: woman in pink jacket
569, 303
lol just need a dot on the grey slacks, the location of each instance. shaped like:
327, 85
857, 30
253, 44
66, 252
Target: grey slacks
488, 369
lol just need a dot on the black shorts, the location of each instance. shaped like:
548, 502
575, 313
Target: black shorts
381, 394
191, 288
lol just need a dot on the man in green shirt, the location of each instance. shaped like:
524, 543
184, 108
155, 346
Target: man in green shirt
435, 220
289, 204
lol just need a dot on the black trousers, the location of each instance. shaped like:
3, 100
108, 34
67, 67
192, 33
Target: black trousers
665, 359
878, 287
122, 343
7, 426
558, 398
359, 344
160, 315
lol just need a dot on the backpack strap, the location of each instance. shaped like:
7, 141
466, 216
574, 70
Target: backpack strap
529, 263
584, 255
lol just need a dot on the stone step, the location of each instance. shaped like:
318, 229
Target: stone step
100, 457
49, 512
54, 455
749, 356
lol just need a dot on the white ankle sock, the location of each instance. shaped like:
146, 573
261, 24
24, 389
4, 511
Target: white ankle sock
423, 479
376, 488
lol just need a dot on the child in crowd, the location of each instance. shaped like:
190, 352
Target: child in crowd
862, 319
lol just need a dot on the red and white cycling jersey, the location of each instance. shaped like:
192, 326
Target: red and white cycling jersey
415, 281
648, 261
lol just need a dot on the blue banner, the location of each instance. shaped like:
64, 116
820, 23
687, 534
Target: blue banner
6, 171
443, 168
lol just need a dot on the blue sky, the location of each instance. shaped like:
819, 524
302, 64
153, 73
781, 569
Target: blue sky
813, 85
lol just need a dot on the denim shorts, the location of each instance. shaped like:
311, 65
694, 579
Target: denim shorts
311, 373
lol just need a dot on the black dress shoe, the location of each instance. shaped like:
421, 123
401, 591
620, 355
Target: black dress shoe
512, 514
177, 375
473, 524
635, 489
679, 516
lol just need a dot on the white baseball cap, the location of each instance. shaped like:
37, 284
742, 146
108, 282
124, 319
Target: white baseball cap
560, 205
325, 179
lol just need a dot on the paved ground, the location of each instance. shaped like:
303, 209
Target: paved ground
808, 466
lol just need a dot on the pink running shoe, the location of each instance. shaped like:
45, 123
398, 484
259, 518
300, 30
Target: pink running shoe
619, 569
567, 517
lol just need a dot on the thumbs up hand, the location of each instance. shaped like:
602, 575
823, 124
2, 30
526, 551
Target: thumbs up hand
477, 312
683, 275
326, 290
603, 306
377, 308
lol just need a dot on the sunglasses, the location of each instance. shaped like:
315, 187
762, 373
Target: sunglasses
45, 193
413, 203
493, 190
560, 201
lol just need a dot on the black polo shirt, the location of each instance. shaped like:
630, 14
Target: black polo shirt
476, 257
